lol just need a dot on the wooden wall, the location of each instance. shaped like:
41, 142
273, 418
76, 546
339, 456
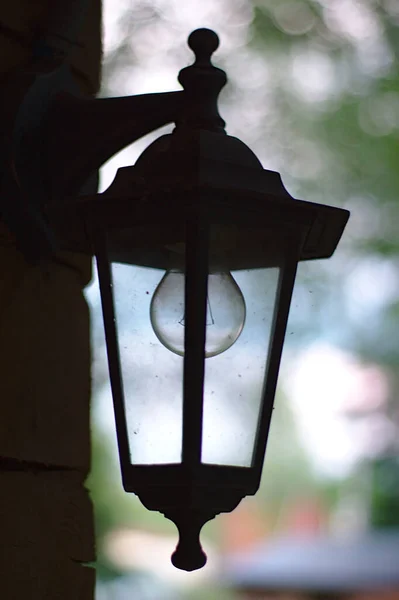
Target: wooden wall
46, 519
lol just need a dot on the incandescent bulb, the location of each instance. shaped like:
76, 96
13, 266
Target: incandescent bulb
225, 316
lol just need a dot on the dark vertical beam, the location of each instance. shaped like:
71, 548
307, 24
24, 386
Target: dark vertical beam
111, 336
196, 287
279, 325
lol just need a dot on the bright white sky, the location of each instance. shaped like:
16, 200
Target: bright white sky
323, 383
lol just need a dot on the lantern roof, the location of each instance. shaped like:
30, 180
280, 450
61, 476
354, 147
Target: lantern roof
199, 163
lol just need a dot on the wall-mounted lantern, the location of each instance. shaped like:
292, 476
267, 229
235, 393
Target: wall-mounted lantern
209, 242
200, 245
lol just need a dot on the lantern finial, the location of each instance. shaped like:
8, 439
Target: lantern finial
203, 42
202, 83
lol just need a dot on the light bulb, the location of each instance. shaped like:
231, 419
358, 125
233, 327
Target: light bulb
225, 316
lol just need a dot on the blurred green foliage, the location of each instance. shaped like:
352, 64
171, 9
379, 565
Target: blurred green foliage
385, 492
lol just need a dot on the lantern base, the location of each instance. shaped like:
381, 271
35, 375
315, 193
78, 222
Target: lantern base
189, 498
189, 555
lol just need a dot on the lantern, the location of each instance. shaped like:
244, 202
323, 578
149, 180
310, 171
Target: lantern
197, 248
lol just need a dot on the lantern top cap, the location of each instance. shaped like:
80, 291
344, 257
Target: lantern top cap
203, 42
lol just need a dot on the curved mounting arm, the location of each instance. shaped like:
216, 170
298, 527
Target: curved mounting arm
82, 133
56, 140
59, 139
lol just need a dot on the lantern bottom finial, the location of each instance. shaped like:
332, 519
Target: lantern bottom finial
189, 555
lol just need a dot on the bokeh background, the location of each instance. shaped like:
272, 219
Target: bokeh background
314, 91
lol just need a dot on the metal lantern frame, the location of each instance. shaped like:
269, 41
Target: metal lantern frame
189, 181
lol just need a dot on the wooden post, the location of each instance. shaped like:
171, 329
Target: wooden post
46, 520
46, 517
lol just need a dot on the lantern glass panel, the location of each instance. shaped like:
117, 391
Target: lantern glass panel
233, 383
152, 374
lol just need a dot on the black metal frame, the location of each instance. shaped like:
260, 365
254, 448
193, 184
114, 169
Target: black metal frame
192, 487
187, 182
197, 231
99, 237
196, 284
280, 319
